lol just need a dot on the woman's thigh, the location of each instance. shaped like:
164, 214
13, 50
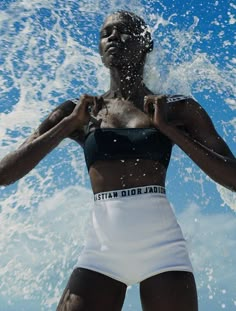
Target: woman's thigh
92, 291
169, 291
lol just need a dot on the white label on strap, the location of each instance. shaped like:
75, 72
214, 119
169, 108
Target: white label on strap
75, 100
177, 98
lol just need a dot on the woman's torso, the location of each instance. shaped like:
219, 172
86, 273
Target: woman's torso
125, 171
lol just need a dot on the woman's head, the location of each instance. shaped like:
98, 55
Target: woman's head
124, 39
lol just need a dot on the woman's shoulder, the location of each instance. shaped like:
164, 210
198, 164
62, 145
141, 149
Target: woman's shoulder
171, 98
184, 107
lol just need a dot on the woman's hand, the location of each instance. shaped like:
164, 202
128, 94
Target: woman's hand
157, 108
86, 110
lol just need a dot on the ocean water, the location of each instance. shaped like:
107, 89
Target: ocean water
49, 54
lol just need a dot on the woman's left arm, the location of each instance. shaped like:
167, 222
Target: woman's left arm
199, 140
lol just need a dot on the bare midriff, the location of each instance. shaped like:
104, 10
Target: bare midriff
123, 174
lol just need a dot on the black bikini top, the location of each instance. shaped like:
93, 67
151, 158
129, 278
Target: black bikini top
127, 143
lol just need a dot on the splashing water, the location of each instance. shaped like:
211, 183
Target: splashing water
49, 54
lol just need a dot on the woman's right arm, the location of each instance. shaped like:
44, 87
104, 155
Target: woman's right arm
49, 134
19, 162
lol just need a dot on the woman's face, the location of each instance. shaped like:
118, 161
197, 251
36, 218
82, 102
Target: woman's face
122, 42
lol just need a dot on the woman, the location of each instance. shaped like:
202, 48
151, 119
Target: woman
127, 135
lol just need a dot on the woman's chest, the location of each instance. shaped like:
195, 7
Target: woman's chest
117, 113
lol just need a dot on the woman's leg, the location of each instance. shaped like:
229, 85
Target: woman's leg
169, 291
92, 291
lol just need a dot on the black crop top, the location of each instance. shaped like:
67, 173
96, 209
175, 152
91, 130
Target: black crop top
127, 143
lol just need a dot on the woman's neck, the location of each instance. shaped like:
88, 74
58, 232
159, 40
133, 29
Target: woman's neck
126, 84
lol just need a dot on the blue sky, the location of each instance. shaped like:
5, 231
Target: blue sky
49, 54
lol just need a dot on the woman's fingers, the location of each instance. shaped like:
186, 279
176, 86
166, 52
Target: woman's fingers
156, 107
151, 102
88, 108
148, 104
86, 103
97, 106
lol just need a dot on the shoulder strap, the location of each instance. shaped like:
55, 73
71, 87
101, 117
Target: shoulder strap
176, 98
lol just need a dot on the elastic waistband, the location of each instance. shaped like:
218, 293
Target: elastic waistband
129, 192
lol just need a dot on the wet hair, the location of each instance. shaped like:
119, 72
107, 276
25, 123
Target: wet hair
140, 27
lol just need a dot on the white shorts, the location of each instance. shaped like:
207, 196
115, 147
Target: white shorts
133, 235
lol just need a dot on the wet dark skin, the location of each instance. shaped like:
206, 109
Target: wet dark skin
127, 104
